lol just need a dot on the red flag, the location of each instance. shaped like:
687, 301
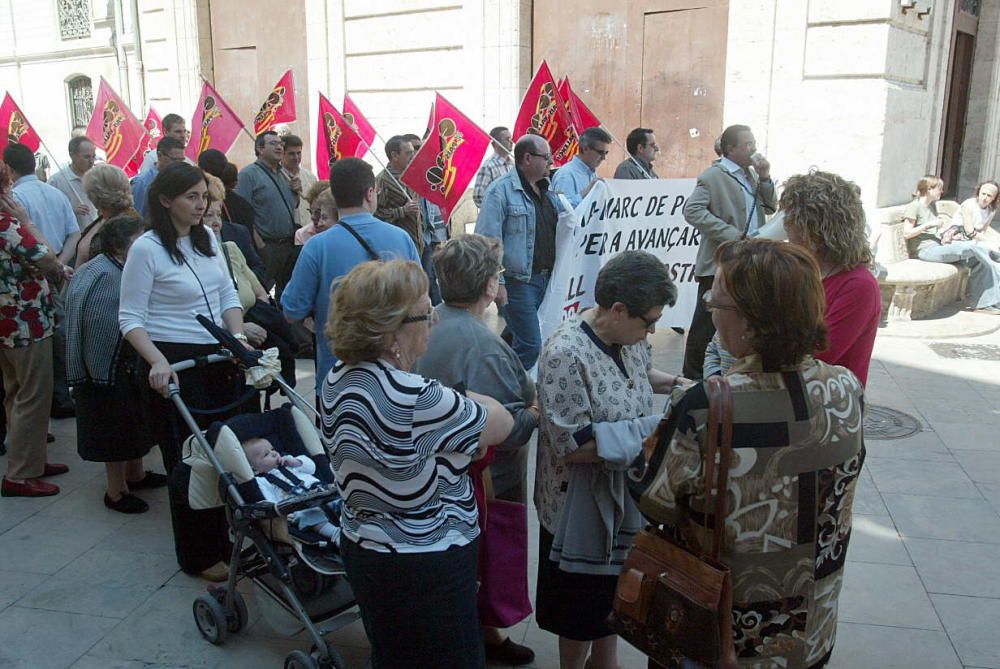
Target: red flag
579, 113
113, 127
213, 126
279, 106
543, 113
443, 167
335, 138
14, 126
361, 125
154, 130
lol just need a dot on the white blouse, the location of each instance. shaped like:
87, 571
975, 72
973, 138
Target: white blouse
163, 296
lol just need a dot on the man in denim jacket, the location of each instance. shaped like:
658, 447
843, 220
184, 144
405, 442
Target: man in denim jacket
519, 210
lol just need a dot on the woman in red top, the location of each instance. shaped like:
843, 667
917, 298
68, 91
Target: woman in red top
823, 213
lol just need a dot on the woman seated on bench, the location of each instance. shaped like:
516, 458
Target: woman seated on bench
927, 239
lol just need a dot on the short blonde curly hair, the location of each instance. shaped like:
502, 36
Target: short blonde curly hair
216, 191
368, 307
826, 209
108, 188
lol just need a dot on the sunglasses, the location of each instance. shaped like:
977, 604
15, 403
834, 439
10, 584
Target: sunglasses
547, 156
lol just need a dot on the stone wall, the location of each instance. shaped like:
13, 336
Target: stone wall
851, 86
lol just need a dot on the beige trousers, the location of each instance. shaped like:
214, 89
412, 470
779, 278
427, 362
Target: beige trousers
27, 380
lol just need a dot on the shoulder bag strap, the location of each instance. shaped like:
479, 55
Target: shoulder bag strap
720, 435
280, 194
361, 240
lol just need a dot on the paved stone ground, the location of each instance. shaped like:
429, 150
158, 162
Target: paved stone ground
83, 587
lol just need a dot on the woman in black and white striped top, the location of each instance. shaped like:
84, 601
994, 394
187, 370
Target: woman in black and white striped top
401, 446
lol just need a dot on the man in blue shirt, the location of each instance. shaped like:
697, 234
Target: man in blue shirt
332, 254
578, 176
520, 210
169, 150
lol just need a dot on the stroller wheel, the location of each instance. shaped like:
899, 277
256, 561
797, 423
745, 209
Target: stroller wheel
238, 617
300, 660
332, 661
210, 617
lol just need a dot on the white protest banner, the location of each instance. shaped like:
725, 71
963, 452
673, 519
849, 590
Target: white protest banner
622, 215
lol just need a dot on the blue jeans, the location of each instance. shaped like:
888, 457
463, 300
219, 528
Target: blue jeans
523, 300
984, 280
427, 261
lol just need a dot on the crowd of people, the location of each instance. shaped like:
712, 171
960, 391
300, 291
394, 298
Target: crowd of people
428, 413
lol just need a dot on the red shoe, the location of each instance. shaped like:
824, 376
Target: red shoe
53, 469
27, 488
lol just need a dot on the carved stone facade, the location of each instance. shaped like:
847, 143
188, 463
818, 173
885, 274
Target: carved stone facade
74, 18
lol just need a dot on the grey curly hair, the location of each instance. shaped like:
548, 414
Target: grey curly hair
108, 188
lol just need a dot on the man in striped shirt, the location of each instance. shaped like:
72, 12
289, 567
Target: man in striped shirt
501, 162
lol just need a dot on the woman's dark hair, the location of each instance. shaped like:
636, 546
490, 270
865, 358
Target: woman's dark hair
230, 176
173, 182
777, 288
213, 161
117, 232
638, 280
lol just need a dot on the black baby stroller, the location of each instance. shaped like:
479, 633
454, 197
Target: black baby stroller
297, 570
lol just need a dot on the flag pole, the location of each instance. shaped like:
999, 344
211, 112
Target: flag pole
630, 156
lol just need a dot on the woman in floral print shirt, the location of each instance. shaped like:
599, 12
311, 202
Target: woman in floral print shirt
25, 347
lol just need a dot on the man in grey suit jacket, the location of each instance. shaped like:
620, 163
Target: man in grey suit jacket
731, 200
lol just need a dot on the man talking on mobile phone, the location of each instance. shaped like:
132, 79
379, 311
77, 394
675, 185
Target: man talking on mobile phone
731, 200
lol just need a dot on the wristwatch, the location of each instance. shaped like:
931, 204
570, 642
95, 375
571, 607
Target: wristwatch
239, 335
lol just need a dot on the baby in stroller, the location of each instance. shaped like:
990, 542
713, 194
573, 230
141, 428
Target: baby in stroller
280, 477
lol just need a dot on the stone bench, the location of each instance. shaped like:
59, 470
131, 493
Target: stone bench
914, 289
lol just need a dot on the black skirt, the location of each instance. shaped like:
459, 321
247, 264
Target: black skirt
419, 609
109, 422
575, 606
203, 389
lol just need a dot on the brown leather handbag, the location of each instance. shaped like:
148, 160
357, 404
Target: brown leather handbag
674, 604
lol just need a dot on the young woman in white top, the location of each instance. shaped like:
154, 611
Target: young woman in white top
977, 214
175, 272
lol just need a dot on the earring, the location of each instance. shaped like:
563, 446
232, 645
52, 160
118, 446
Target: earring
395, 353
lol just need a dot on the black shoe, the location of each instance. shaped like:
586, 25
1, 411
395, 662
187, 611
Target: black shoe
509, 652
126, 504
149, 481
49, 438
679, 331
68, 411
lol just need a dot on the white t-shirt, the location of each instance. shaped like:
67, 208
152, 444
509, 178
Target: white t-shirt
979, 217
163, 296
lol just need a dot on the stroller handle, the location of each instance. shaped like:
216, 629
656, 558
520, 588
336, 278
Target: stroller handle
222, 356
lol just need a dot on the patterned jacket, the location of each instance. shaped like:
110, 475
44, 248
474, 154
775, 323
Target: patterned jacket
798, 449
25, 302
391, 199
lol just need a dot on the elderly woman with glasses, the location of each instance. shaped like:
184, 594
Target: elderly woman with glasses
595, 387
797, 451
464, 353
401, 446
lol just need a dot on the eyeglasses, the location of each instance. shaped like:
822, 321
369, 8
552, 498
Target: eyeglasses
711, 306
602, 154
547, 156
501, 270
650, 322
428, 317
